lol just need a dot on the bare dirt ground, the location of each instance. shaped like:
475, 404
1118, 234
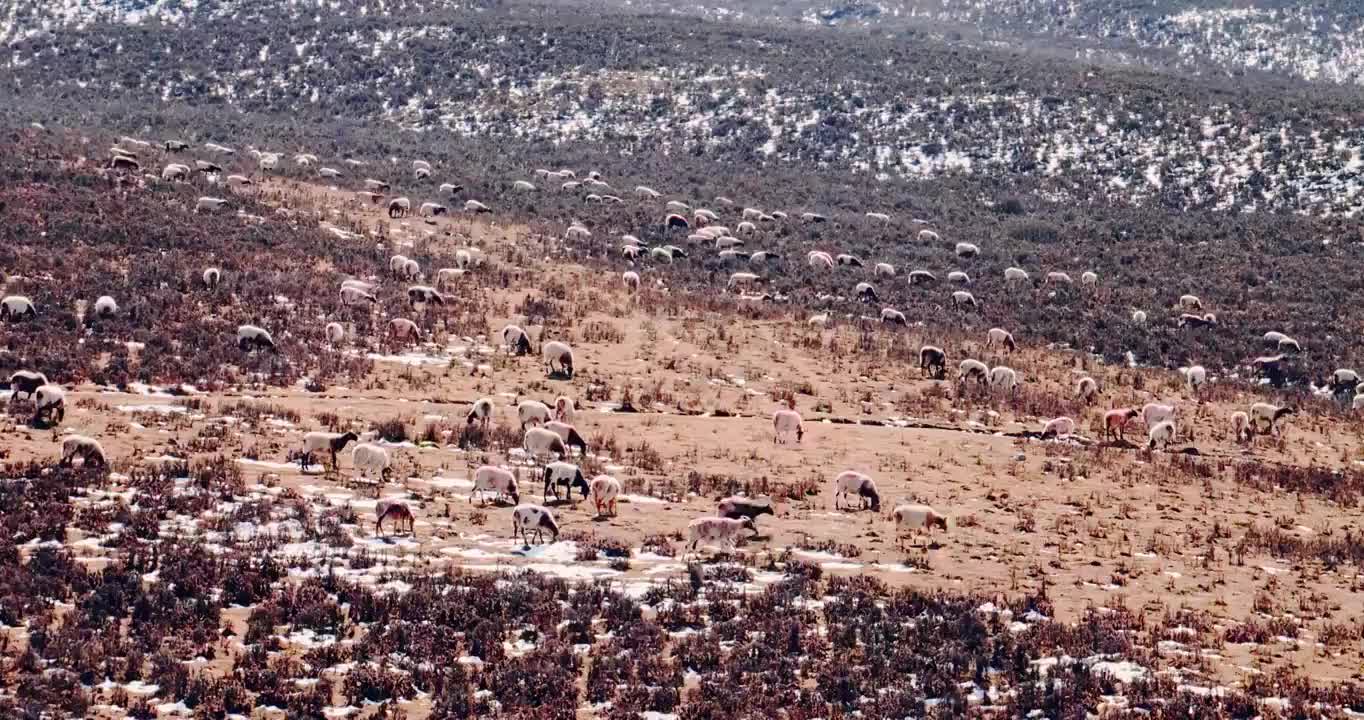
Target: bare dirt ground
1096, 525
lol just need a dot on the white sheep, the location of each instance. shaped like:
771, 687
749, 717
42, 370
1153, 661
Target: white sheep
399, 207
523, 186
605, 490
24, 383
1273, 337
481, 412
329, 173
631, 280
1062, 427
212, 276
1289, 345
973, 369
866, 292
967, 250
1195, 377
1190, 302
1154, 413
1004, 378
331, 442
87, 448
1263, 414
49, 404
475, 206
516, 340
891, 315
631, 251
787, 423
1015, 275
1089, 279
419, 296
745, 228
928, 236
532, 520
962, 298
883, 269
882, 218
495, 479
371, 461
933, 360
717, 531
1162, 433
822, 319
958, 277
403, 329
761, 257
1086, 389
921, 277
558, 352
851, 482
209, 204
569, 434
741, 280
1058, 278
251, 336
175, 171
1138, 317
541, 442
105, 307
565, 475
1343, 380
1240, 425
820, 259
16, 306
648, 192
916, 519
432, 209
335, 332
450, 189
354, 295
847, 260
1000, 337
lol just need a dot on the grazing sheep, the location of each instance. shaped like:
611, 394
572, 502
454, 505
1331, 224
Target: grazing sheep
49, 404
973, 369
1195, 377
661, 253
958, 277
542, 442
1270, 367
846, 260
822, 319
674, 220
928, 236
212, 276
866, 293
481, 412
1263, 414
332, 442
516, 340
703, 216
377, 185
104, 307
933, 360
820, 259
762, 256
631, 280
121, 161
726, 242
239, 180
558, 352
523, 186
1086, 389
605, 490
1343, 380
1002, 337
882, 218
252, 337
1190, 302
564, 409
24, 383
856, 483
741, 279
916, 519
1089, 278
1162, 433
175, 171
717, 531
776, 215
335, 332
1154, 413
353, 295
499, 480
648, 192
87, 448
1058, 278
1138, 317
1197, 321
1004, 378
786, 423
476, 207
812, 217
403, 329
1241, 428
399, 207
1116, 420
329, 173
921, 277
533, 520
745, 228
891, 315
371, 461
1289, 345
1061, 427
737, 506
451, 189
13, 307
432, 209
1273, 337
419, 296
631, 252
961, 298
568, 434
175, 145
568, 476
883, 269
209, 204
397, 513
207, 168
1015, 275
967, 250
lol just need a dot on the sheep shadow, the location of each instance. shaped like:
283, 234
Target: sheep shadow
559, 375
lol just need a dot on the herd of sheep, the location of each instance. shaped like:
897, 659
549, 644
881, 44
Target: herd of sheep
550, 437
